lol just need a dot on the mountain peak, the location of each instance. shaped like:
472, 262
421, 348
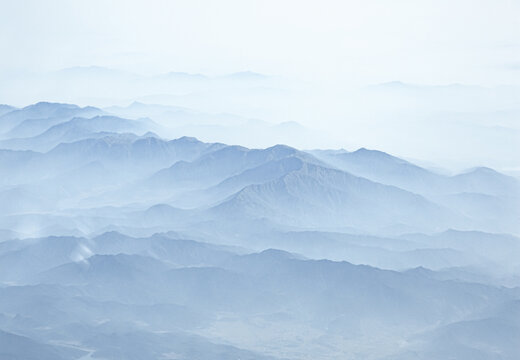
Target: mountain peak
46, 104
482, 170
187, 139
276, 253
374, 154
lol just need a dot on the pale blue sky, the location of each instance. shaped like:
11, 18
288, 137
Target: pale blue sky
430, 42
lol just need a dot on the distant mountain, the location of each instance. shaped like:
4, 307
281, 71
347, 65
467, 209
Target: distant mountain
382, 167
43, 254
75, 257
111, 303
493, 336
21, 200
34, 127
140, 110
14, 165
117, 243
14, 346
317, 196
354, 289
499, 213
188, 173
487, 181
10, 158
129, 152
387, 169
4, 109
72, 171
179, 117
501, 249
42, 110
218, 165
272, 280
74, 130
105, 269
267, 171
169, 249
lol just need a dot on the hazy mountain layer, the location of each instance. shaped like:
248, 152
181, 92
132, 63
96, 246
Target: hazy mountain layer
118, 242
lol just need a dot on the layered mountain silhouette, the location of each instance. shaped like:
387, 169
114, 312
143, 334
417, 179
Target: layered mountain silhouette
122, 240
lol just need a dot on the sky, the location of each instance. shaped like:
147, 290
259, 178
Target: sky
429, 42
459, 62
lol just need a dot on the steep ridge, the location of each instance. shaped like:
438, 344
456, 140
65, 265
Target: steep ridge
387, 169
75, 129
50, 113
219, 165
314, 195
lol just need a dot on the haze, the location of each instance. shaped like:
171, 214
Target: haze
259, 180
326, 53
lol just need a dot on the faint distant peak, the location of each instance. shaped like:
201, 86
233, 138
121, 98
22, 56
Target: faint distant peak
364, 150
47, 105
394, 84
421, 271
137, 104
369, 153
482, 170
150, 134
163, 208
187, 139
282, 148
113, 234
277, 253
290, 125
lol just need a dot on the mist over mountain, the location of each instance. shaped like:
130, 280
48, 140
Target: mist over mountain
260, 109
259, 180
120, 241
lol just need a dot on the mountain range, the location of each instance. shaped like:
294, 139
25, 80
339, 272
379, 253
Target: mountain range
118, 241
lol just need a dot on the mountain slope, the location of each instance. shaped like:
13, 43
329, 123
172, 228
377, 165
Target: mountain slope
318, 196
76, 129
387, 169
14, 347
221, 164
48, 112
